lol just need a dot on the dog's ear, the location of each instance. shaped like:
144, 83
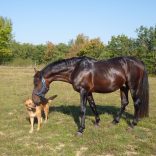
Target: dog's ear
49, 101
25, 99
52, 98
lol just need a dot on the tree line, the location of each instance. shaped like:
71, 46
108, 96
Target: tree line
142, 47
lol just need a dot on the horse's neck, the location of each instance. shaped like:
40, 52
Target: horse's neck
62, 74
61, 70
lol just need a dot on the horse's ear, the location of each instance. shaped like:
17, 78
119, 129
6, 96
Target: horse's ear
35, 70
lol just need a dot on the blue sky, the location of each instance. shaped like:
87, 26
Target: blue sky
39, 21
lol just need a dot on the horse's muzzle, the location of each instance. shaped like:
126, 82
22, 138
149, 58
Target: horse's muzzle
36, 99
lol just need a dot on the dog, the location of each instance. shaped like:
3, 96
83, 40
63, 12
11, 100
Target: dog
36, 111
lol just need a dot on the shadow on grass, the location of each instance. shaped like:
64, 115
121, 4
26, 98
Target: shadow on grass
74, 111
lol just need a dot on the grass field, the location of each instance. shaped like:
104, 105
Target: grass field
57, 137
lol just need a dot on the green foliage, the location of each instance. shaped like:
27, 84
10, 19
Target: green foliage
92, 48
50, 52
38, 54
77, 44
150, 62
20, 62
121, 46
28, 51
147, 38
142, 47
5, 39
146, 45
61, 51
23, 51
55, 52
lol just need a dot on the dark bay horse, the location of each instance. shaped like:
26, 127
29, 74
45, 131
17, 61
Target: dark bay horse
88, 75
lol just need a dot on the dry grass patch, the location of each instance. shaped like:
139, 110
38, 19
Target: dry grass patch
57, 137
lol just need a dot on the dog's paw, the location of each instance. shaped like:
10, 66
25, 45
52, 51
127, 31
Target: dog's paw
45, 121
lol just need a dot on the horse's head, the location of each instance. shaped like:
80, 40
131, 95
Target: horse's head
41, 87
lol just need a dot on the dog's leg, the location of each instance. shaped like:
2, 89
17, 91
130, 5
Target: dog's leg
46, 112
32, 124
38, 114
39, 123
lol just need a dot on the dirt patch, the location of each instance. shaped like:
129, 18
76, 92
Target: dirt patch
60, 146
81, 151
2, 134
131, 150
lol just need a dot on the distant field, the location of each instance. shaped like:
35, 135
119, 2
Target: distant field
57, 137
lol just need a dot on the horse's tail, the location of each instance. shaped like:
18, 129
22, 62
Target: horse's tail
144, 96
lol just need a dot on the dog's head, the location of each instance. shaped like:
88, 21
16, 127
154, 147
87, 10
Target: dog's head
29, 104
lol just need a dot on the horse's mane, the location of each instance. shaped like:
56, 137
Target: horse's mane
64, 63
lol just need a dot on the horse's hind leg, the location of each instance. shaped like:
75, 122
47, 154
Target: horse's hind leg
93, 107
137, 103
124, 103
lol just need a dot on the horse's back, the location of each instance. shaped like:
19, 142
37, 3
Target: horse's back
99, 76
110, 75
120, 64
106, 75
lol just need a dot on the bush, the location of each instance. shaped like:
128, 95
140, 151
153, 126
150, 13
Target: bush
21, 62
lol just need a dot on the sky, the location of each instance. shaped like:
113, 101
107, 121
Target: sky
59, 21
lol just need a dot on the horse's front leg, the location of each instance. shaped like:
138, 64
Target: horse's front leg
83, 102
93, 107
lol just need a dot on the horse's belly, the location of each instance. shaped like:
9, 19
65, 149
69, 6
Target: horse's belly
101, 89
107, 85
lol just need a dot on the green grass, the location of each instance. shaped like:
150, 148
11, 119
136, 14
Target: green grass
57, 137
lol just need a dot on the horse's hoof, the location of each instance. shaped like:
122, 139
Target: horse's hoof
132, 124
96, 125
79, 134
115, 122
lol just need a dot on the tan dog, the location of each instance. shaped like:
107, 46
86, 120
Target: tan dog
36, 111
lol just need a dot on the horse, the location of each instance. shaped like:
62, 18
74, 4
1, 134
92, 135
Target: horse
88, 75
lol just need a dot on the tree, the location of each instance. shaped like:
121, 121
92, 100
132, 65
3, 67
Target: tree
61, 51
38, 53
77, 45
92, 48
121, 45
50, 51
5, 39
146, 45
147, 38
